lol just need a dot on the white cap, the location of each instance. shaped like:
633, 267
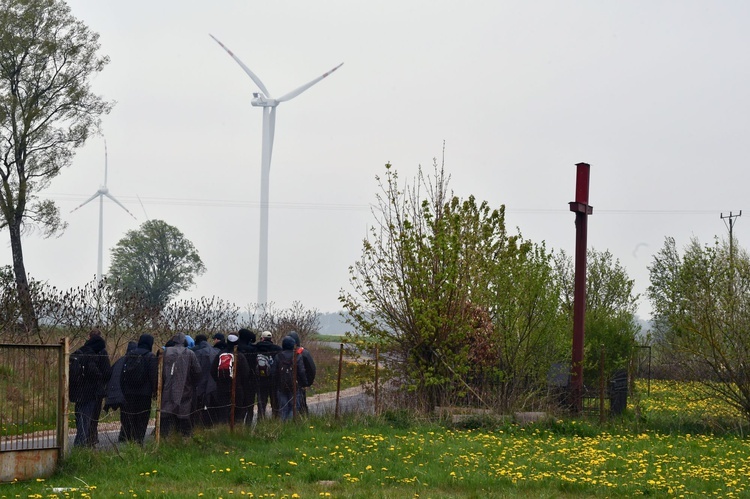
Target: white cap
266, 334
232, 338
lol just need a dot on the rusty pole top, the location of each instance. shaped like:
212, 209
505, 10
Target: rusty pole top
581, 204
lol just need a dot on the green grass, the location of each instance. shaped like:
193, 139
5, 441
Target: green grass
397, 456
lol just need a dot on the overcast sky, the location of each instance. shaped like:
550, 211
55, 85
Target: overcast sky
655, 95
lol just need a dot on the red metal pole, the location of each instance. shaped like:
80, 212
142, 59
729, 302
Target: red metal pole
582, 210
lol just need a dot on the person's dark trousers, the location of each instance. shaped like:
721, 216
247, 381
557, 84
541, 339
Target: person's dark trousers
170, 423
87, 418
135, 415
286, 404
264, 396
275, 406
303, 402
246, 409
213, 413
223, 406
201, 417
94, 429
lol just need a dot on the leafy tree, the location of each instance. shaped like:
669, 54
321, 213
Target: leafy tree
530, 330
610, 310
701, 303
155, 261
448, 295
47, 109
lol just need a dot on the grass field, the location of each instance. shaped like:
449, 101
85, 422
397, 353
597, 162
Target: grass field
671, 446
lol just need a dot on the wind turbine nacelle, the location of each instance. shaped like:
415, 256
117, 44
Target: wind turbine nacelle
260, 100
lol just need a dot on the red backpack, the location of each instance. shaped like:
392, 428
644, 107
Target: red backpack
226, 366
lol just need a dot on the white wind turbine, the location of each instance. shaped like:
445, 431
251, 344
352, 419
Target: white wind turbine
103, 191
264, 100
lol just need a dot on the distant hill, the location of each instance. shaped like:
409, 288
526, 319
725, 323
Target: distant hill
332, 323
645, 328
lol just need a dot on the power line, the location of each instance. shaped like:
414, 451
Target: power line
229, 203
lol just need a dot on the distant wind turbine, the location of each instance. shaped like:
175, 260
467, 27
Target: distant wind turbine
103, 191
264, 100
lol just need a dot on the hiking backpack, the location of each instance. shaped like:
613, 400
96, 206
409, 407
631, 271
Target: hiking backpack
263, 365
80, 367
134, 373
226, 366
286, 373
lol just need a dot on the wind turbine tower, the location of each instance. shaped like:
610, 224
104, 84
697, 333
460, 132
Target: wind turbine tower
263, 99
101, 193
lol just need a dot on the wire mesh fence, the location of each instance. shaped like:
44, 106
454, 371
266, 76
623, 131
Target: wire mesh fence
31, 403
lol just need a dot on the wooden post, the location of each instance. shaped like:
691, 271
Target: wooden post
602, 416
294, 383
338, 381
62, 400
233, 374
159, 383
377, 358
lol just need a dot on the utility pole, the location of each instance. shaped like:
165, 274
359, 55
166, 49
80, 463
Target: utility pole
731, 221
582, 209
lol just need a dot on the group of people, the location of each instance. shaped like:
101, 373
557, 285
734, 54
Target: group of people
202, 384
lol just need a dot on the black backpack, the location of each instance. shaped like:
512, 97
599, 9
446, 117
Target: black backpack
134, 373
81, 370
81, 367
286, 373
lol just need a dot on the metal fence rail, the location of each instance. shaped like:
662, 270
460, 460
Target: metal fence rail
33, 409
31, 397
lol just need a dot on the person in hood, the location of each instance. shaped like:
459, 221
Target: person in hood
114, 398
88, 391
220, 342
310, 369
289, 393
205, 391
246, 348
139, 381
180, 375
266, 350
230, 392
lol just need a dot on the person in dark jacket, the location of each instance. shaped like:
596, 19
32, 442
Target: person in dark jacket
89, 392
283, 371
205, 391
115, 398
225, 382
139, 391
267, 387
246, 348
310, 369
180, 374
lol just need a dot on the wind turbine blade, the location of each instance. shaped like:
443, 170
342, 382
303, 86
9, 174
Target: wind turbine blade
110, 196
88, 200
242, 65
295, 93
